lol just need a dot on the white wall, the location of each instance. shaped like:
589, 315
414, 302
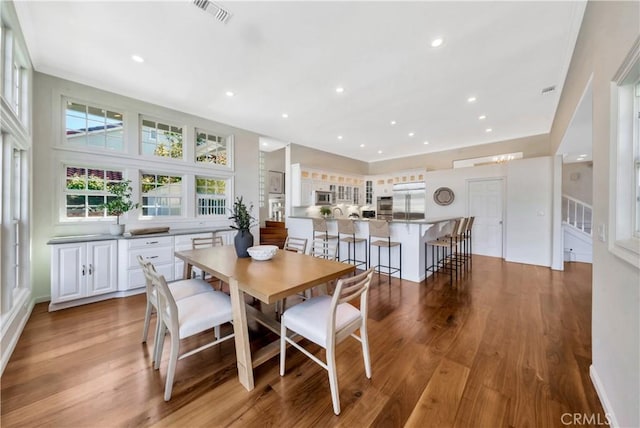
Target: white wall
528, 220
608, 31
577, 181
47, 158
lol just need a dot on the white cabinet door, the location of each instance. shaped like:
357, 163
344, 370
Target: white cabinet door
306, 193
69, 272
102, 267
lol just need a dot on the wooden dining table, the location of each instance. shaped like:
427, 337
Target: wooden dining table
269, 281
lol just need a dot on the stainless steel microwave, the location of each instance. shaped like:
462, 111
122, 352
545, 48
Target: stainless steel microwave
324, 198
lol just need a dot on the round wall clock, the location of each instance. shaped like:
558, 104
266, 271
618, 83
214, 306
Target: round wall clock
443, 196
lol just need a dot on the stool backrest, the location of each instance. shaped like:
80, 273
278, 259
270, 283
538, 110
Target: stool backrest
319, 224
346, 226
462, 227
470, 223
379, 229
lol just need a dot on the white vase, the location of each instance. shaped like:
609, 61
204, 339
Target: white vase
116, 229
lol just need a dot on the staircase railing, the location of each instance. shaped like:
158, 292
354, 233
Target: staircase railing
577, 214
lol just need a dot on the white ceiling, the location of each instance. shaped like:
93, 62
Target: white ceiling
289, 57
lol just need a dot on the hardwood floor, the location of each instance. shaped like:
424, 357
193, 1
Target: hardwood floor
510, 347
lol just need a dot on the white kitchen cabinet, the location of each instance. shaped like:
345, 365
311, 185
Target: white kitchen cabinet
301, 187
85, 269
156, 249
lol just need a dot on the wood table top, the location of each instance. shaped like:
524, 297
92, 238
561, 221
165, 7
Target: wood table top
285, 274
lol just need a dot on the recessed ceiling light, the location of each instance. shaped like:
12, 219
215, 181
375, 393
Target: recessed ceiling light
264, 143
471, 99
488, 130
361, 145
229, 94
339, 89
436, 42
583, 156
482, 117
425, 143
137, 58
379, 151
411, 134
339, 137
285, 115
393, 122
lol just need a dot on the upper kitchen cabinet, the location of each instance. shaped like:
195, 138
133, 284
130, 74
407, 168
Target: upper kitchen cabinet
301, 186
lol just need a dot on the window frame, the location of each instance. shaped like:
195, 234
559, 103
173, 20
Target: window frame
228, 139
624, 241
62, 217
228, 196
182, 195
90, 104
170, 124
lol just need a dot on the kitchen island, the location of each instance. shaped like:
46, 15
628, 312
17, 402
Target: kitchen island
412, 234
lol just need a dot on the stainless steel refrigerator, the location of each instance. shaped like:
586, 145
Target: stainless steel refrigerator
409, 201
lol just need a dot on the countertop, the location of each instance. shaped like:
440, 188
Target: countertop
423, 221
106, 237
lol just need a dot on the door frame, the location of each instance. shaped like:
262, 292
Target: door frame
503, 189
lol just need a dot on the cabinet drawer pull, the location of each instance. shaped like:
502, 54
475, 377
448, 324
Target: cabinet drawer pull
83, 270
151, 242
153, 257
90, 269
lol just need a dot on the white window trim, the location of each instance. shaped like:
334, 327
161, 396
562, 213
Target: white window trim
185, 140
622, 241
183, 195
228, 195
64, 99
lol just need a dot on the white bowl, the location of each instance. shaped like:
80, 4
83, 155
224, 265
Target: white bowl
262, 252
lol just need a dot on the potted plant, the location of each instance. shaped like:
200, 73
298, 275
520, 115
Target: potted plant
242, 222
325, 211
118, 203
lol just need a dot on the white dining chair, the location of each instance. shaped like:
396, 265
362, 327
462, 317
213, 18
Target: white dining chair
180, 289
327, 321
184, 318
206, 242
296, 245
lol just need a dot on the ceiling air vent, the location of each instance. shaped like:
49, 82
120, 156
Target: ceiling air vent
221, 14
548, 89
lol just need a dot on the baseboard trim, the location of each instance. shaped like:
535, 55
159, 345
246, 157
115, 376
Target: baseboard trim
13, 341
602, 395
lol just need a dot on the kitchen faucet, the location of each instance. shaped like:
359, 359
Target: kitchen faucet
339, 209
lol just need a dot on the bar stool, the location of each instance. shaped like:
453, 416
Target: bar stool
468, 242
320, 231
444, 262
380, 229
347, 227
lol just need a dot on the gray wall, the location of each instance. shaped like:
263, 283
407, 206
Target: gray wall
324, 160
609, 30
48, 157
577, 181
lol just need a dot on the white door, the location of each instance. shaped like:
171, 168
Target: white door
486, 205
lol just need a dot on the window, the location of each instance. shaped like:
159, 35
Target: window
212, 149
161, 195
161, 139
211, 196
17, 88
93, 127
85, 189
624, 208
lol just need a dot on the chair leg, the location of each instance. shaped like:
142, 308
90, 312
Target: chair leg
161, 331
171, 371
283, 347
333, 380
216, 332
147, 320
364, 338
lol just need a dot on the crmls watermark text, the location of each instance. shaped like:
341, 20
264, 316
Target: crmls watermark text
585, 419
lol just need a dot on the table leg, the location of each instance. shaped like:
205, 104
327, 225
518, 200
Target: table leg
241, 330
188, 267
